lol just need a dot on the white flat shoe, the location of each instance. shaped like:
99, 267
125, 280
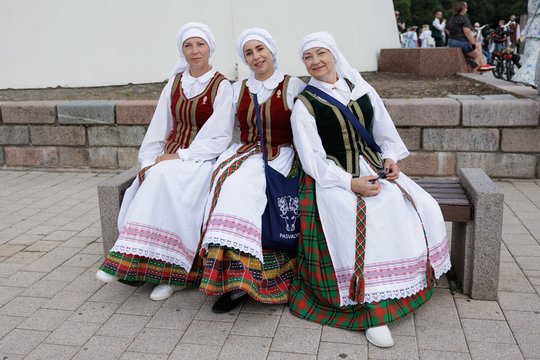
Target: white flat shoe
380, 336
103, 276
162, 292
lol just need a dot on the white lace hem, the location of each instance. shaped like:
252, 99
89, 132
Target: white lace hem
162, 256
398, 293
233, 244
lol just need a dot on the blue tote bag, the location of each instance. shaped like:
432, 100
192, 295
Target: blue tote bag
280, 220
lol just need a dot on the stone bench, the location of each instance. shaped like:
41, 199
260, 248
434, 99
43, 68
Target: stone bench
473, 204
440, 61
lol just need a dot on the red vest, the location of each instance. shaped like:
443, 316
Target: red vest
275, 116
190, 114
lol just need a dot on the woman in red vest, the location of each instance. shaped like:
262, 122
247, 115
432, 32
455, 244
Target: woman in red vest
162, 212
236, 265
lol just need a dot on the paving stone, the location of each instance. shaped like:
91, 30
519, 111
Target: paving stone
83, 260
86, 282
255, 325
245, 347
532, 250
115, 292
275, 355
289, 320
441, 339
172, 318
405, 326
479, 309
523, 321
50, 351
85, 112
45, 319
22, 306
296, 340
439, 311
529, 344
405, 348
8, 323
45, 288
206, 332
533, 276
492, 351
29, 112
509, 269
460, 139
254, 307
8, 269
68, 300
7, 293
443, 355
205, 313
335, 335
95, 312
518, 284
123, 325
528, 262
24, 257
98, 346
487, 331
518, 239
139, 305
130, 355
21, 342
338, 351
157, 341
72, 333
8, 250
43, 246
519, 301
197, 351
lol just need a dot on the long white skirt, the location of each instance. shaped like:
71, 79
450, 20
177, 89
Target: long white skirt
235, 221
162, 218
396, 252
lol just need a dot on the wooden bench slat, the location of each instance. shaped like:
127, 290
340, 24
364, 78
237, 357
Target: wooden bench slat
456, 213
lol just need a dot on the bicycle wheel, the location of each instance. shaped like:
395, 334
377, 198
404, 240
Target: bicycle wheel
509, 70
497, 70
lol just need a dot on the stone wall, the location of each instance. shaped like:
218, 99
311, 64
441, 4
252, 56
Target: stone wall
499, 134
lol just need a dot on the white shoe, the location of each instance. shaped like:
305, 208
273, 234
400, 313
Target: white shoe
103, 276
162, 292
380, 336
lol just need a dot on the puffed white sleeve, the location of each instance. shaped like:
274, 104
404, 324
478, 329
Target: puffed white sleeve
159, 128
310, 150
295, 87
384, 131
215, 135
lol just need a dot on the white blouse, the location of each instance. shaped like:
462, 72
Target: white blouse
309, 145
211, 140
264, 89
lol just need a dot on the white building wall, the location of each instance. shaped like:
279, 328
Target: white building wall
73, 43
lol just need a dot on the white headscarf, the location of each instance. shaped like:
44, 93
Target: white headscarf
189, 30
257, 34
323, 39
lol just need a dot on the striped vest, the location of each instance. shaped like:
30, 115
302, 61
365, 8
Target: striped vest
275, 116
190, 114
339, 139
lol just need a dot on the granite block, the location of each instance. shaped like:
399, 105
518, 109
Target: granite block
429, 164
521, 140
116, 136
86, 112
411, 137
137, 112
57, 135
103, 157
500, 113
31, 156
460, 139
424, 112
423, 61
13, 135
73, 157
500, 165
128, 157
28, 112
2, 158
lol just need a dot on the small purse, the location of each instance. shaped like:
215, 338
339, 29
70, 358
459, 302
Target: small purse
280, 220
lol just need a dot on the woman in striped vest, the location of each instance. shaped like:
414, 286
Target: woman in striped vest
370, 237
236, 265
162, 212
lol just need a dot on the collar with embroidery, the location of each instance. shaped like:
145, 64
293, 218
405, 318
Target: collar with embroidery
255, 86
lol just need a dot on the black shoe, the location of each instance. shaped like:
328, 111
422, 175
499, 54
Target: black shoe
225, 304
471, 62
